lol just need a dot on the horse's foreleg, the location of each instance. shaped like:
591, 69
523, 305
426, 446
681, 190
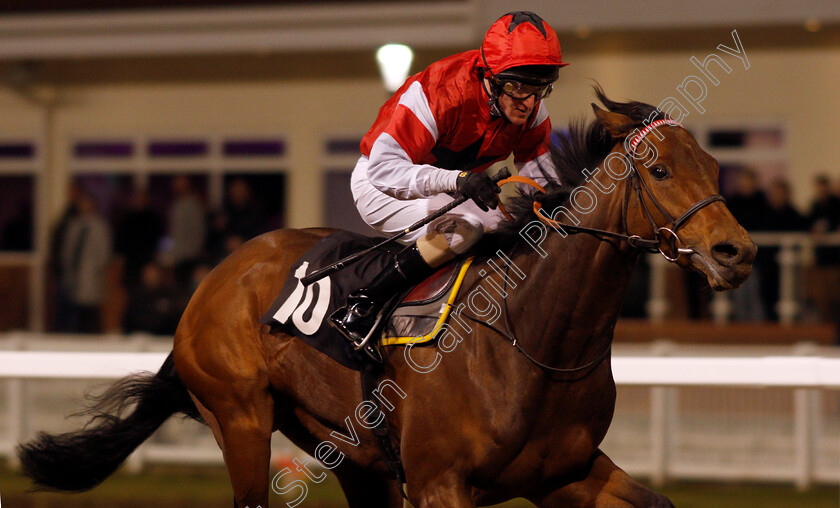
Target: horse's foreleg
606, 486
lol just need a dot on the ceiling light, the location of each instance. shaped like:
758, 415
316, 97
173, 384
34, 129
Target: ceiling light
812, 25
394, 63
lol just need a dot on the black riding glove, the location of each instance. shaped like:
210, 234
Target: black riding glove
479, 188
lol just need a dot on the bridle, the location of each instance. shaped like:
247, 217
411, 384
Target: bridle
662, 235
667, 234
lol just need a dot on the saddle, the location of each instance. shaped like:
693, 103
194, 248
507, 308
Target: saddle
412, 317
418, 316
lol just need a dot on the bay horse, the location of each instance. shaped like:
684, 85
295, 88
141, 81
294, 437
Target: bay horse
490, 422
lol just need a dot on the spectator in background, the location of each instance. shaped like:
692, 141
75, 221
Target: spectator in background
781, 214
244, 215
781, 217
153, 305
199, 271
136, 237
187, 229
825, 276
749, 206
61, 312
198, 274
217, 230
825, 209
241, 219
182, 295
85, 254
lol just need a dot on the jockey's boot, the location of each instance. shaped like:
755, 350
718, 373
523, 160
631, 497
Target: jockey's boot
359, 315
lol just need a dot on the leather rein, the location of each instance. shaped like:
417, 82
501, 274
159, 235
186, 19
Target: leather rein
662, 234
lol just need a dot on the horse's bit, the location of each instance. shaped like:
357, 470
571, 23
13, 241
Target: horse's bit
664, 234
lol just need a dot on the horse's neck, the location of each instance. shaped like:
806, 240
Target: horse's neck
568, 304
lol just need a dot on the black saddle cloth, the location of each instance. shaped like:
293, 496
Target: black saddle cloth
304, 311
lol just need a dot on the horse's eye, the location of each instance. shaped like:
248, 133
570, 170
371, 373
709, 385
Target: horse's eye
660, 172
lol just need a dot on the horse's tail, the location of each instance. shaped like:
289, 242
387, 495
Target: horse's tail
78, 461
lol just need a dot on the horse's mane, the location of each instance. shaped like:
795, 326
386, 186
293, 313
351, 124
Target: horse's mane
584, 146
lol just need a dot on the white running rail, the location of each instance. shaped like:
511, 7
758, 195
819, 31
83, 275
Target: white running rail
694, 412
783, 371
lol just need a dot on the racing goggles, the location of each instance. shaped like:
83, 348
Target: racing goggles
521, 91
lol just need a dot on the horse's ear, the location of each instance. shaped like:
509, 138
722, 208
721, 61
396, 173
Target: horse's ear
618, 125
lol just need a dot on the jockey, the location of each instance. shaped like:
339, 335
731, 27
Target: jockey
434, 138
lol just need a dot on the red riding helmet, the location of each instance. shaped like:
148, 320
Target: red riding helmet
523, 47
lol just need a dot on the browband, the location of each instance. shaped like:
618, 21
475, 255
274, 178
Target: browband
647, 130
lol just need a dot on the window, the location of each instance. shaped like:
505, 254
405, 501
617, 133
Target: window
18, 167
260, 195
341, 154
112, 169
254, 148
17, 194
110, 192
161, 193
759, 147
339, 209
177, 148
103, 149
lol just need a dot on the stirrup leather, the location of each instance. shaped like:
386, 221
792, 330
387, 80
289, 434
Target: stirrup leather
364, 311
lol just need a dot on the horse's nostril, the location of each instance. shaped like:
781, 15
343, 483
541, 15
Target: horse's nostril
726, 253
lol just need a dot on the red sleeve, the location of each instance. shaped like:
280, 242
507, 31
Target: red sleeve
415, 116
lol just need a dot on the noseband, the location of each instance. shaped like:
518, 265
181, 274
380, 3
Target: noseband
663, 235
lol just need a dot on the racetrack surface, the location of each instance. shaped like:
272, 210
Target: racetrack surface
208, 487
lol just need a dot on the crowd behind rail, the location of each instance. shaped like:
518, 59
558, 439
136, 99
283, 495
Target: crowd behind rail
771, 210
136, 271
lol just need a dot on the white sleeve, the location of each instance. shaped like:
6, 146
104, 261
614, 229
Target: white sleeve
392, 172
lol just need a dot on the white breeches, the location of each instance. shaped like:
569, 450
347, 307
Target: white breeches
462, 227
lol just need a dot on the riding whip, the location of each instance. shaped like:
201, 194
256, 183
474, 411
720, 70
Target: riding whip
352, 258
